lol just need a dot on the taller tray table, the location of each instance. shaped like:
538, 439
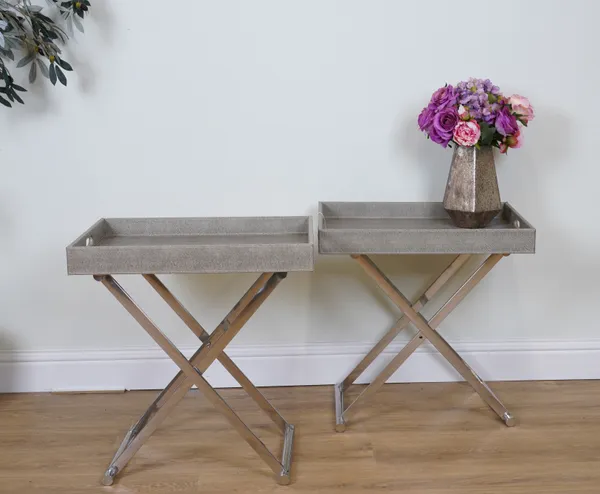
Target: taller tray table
272, 246
363, 228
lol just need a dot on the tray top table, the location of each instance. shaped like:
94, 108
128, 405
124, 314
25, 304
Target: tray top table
359, 229
193, 245
416, 228
272, 246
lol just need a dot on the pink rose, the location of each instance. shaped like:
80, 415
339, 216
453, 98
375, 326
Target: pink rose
467, 133
515, 141
522, 107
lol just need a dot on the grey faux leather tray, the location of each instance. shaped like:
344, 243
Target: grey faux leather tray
193, 245
416, 228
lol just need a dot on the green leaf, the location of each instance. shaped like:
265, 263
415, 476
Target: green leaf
16, 87
44, 18
14, 24
8, 54
61, 75
32, 73
487, 134
69, 23
25, 60
52, 74
43, 68
18, 98
64, 65
5, 102
78, 24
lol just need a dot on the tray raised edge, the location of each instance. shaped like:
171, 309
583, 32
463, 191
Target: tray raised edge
419, 241
165, 259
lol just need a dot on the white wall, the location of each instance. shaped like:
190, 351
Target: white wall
266, 107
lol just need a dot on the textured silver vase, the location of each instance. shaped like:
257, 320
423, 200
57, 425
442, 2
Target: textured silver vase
472, 198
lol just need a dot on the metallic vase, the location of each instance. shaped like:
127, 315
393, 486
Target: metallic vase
472, 198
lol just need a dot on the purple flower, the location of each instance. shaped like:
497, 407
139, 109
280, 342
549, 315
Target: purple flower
480, 97
425, 119
437, 138
445, 120
465, 98
489, 116
443, 126
443, 98
506, 122
489, 87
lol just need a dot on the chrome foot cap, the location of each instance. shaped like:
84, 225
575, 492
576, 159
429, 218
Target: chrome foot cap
109, 476
283, 480
509, 420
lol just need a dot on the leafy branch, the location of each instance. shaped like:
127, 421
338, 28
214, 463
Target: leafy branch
37, 38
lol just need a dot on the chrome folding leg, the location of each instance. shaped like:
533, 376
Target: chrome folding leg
426, 331
191, 373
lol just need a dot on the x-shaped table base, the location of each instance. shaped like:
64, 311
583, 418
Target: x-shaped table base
192, 371
426, 331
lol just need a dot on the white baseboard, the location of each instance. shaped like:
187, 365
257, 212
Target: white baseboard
294, 365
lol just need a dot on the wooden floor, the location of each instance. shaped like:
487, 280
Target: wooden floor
412, 438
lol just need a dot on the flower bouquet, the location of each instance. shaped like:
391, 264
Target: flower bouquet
475, 113
476, 117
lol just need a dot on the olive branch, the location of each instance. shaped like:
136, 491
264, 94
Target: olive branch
36, 37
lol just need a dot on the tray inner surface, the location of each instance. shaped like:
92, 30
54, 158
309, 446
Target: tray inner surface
173, 232
204, 239
349, 223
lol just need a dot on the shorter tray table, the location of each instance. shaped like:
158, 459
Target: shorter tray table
416, 228
364, 228
272, 246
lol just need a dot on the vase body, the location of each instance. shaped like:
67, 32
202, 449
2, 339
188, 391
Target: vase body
472, 197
